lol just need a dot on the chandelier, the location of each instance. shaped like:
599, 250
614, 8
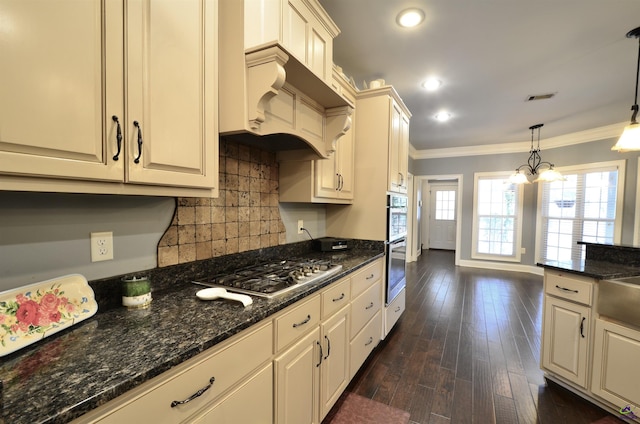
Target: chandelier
630, 138
535, 169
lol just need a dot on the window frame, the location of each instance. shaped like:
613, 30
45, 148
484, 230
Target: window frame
517, 251
585, 168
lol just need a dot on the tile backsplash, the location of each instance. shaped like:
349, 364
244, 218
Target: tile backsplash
244, 217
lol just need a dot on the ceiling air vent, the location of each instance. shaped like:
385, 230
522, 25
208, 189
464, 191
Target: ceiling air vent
540, 97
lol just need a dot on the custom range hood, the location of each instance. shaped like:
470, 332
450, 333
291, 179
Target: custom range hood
269, 96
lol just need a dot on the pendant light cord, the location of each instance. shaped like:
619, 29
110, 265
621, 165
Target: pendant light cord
634, 108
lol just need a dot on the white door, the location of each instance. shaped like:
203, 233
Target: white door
442, 216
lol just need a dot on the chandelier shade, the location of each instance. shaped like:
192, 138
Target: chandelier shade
535, 169
630, 138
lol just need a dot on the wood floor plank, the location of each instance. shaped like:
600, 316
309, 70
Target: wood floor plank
443, 394
462, 410
421, 401
482, 392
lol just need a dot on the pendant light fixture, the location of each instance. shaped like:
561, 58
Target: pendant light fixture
630, 138
535, 169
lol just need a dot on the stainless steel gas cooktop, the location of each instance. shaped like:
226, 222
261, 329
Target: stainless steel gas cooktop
274, 278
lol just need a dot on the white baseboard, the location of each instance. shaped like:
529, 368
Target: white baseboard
531, 269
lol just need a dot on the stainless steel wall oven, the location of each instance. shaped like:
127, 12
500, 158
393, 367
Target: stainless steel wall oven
396, 245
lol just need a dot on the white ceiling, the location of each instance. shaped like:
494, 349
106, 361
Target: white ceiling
491, 55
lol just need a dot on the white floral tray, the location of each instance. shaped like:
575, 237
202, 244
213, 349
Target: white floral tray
30, 313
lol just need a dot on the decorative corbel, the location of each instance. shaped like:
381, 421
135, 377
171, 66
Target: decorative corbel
265, 77
338, 122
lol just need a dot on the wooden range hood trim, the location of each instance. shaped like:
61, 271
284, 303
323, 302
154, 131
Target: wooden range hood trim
268, 68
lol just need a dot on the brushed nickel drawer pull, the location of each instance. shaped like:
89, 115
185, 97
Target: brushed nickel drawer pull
370, 306
369, 342
566, 289
397, 309
306, 320
370, 277
339, 299
195, 395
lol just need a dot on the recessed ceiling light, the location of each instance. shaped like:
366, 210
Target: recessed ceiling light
409, 18
432, 84
442, 116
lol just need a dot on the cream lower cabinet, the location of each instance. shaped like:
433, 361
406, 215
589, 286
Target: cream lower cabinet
297, 373
565, 340
366, 314
615, 364
228, 378
234, 409
394, 310
311, 375
65, 116
566, 333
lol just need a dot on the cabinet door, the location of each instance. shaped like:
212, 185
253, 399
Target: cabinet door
394, 147
565, 339
62, 81
327, 176
403, 154
334, 373
171, 92
252, 402
297, 374
346, 162
615, 364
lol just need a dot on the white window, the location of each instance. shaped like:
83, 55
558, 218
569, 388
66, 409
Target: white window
497, 217
585, 207
445, 205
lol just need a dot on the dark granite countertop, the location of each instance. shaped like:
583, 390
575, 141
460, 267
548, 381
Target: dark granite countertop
601, 270
79, 369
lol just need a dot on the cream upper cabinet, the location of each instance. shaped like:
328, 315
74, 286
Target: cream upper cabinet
171, 95
276, 67
324, 180
91, 100
301, 26
398, 148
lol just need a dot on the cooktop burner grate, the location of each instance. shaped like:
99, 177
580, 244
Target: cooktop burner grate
274, 278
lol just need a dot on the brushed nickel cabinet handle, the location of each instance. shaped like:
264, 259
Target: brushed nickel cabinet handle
339, 298
370, 306
370, 276
369, 342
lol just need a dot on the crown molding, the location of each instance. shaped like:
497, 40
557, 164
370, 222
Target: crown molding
587, 136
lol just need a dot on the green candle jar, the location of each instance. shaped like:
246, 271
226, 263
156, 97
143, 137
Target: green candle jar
136, 292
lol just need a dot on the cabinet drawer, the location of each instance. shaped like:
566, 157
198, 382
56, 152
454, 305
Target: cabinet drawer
364, 278
362, 345
151, 402
337, 296
394, 311
569, 287
364, 307
297, 322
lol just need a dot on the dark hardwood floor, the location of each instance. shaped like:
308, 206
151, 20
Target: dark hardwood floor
467, 350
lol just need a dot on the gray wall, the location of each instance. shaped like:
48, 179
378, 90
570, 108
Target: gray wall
46, 235
598, 151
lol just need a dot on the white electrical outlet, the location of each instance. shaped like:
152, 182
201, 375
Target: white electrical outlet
300, 225
101, 246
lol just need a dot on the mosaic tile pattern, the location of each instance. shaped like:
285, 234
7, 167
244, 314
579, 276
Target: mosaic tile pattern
244, 217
